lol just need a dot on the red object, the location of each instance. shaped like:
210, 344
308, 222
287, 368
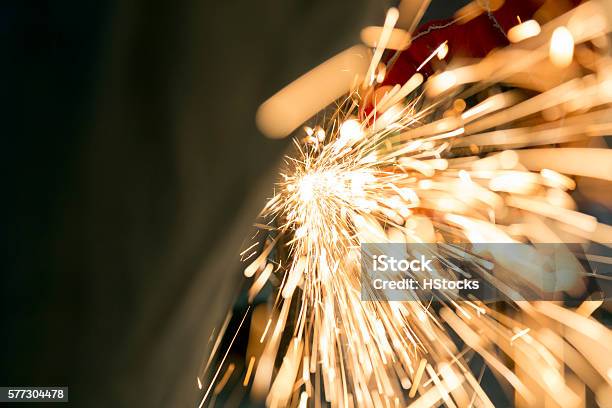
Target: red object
474, 39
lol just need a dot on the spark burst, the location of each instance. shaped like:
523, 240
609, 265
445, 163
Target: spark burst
429, 165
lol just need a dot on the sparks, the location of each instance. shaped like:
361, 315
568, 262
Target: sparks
438, 169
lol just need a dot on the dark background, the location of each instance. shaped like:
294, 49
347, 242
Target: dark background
132, 172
